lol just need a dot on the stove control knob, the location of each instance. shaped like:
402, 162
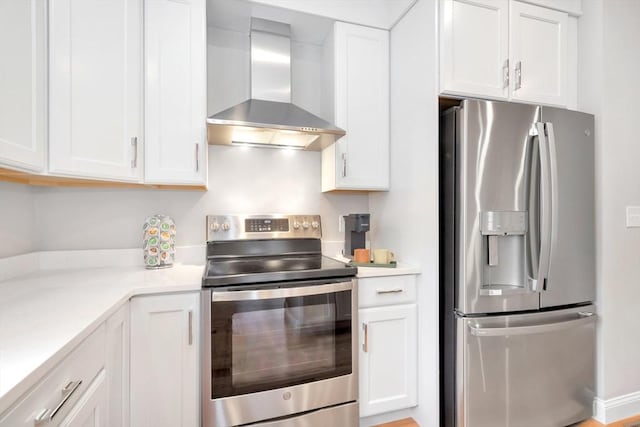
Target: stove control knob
315, 225
296, 225
225, 226
305, 224
215, 226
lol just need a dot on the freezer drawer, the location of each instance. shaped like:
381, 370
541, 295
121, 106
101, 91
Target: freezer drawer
526, 370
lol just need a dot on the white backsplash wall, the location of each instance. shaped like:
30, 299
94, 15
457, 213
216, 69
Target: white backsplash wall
16, 219
241, 180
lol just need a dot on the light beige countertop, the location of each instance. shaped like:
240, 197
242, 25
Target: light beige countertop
364, 272
46, 313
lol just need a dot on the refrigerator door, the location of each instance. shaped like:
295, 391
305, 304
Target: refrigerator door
526, 370
570, 138
494, 149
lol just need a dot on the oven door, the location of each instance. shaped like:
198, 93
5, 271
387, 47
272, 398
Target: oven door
278, 350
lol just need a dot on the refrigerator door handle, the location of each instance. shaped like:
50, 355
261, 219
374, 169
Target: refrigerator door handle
582, 318
538, 282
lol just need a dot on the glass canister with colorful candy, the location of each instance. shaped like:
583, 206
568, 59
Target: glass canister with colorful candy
159, 245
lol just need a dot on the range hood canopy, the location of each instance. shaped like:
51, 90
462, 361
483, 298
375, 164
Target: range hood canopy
269, 119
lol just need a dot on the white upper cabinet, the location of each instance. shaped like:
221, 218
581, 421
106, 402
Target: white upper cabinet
504, 49
538, 54
175, 92
474, 52
95, 89
360, 159
22, 84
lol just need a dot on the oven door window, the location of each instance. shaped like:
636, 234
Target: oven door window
266, 344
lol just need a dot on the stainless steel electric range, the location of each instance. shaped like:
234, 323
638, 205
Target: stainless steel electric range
279, 327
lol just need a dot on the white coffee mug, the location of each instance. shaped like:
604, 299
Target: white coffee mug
383, 256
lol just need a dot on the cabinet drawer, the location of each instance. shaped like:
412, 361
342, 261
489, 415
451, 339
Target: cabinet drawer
376, 291
82, 364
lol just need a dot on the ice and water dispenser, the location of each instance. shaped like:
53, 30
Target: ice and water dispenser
504, 249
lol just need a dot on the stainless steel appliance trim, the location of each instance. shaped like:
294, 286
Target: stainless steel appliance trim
563, 365
47, 415
582, 318
280, 292
269, 404
232, 227
342, 415
542, 272
553, 178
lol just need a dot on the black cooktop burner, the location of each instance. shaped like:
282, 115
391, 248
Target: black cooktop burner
252, 270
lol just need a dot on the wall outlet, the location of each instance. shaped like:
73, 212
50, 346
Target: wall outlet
633, 216
340, 223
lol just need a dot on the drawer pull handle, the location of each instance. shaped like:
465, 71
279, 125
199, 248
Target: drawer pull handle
47, 415
389, 291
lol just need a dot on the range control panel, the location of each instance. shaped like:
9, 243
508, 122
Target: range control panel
272, 226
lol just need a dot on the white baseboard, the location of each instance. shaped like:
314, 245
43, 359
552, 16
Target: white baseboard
617, 408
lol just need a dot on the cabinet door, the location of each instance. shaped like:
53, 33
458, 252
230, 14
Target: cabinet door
361, 157
538, 45
117, 367
95, 96
90, 411
175, 95
22, 83
165, 378
388, 358
474, 49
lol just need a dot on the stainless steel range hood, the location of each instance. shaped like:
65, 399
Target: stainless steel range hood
269, 118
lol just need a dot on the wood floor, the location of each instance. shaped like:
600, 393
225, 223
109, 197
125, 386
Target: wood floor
405, 422
628, 422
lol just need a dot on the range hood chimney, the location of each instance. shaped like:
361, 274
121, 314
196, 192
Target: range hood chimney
269, 119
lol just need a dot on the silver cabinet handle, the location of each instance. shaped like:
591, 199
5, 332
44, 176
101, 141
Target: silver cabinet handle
538, 283
365, 341
197, 157
190, 327
134, 144
47, 415
505, 74
344, 165
389, 291
583, 319
518, 75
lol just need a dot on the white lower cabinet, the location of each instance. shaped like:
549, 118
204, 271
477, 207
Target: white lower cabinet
388, 345
164, 360
91, 409
70, 393
117, 366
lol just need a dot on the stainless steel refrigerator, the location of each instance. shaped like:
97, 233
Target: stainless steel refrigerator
517, 265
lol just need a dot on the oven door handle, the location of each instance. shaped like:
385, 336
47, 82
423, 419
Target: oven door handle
276, 293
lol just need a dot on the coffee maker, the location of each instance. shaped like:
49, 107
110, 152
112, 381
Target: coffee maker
355, 228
